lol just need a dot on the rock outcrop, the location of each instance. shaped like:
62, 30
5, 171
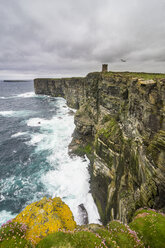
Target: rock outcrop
44, 217
124, 117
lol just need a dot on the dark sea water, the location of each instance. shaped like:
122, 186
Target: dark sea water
35, 132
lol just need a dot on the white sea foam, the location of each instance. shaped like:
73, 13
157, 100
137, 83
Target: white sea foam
26, 95
7, 113
36, 139
70, 177
34, 122
5, 216
19, 134
71, 183
5, 186
23, 95
20, 113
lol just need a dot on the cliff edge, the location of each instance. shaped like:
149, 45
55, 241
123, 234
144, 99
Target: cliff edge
120, 117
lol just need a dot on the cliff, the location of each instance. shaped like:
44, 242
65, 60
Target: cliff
120, 117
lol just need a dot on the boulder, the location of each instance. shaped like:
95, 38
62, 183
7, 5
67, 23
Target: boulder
44, 217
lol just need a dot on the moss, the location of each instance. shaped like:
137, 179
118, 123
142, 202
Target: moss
150, 226
147, 229
45, 217
123, 235
111, 128
82, 149
134, 163
80, 239
111, 135
114, 236
88, 149
156, 146
12, 235
105, 119
107, 237
79, 151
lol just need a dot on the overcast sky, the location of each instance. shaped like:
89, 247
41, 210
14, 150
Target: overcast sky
73, 37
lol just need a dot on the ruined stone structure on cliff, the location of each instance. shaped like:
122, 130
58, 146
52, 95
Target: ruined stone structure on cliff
104, 67
124, 116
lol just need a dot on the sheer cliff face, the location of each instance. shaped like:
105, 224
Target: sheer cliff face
125, 117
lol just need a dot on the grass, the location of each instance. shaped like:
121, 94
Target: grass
12, 235
80, 239
123, 235
143, 75
147, 229
150, 227
114, 236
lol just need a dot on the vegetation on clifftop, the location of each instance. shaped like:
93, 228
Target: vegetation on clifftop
146, 229
12, 235
143, 75
150, 227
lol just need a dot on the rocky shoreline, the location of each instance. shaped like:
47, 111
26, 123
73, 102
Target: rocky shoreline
120, 126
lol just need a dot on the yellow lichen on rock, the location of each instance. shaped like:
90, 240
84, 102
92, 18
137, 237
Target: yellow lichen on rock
45, 217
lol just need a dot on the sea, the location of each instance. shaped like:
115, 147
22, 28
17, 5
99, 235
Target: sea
35, 131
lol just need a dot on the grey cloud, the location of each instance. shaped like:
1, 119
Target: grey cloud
77, 36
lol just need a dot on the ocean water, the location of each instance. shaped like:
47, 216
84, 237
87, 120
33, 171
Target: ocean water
35, 132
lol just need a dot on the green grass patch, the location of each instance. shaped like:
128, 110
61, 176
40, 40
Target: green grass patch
143, 75
82, 239
123, 235
150, 227
12, 235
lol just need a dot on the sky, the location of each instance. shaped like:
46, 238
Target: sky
58, 38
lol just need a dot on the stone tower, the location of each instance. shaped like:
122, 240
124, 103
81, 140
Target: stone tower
104, 67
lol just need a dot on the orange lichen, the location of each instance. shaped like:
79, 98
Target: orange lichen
45, 217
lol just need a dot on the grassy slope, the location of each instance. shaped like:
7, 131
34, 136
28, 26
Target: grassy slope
147, 229
150, 227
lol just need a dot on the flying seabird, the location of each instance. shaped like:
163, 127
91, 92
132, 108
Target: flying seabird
123, 60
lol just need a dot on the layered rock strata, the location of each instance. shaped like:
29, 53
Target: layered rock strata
123, 119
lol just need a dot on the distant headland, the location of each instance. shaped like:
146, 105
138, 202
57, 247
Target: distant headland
12, 81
